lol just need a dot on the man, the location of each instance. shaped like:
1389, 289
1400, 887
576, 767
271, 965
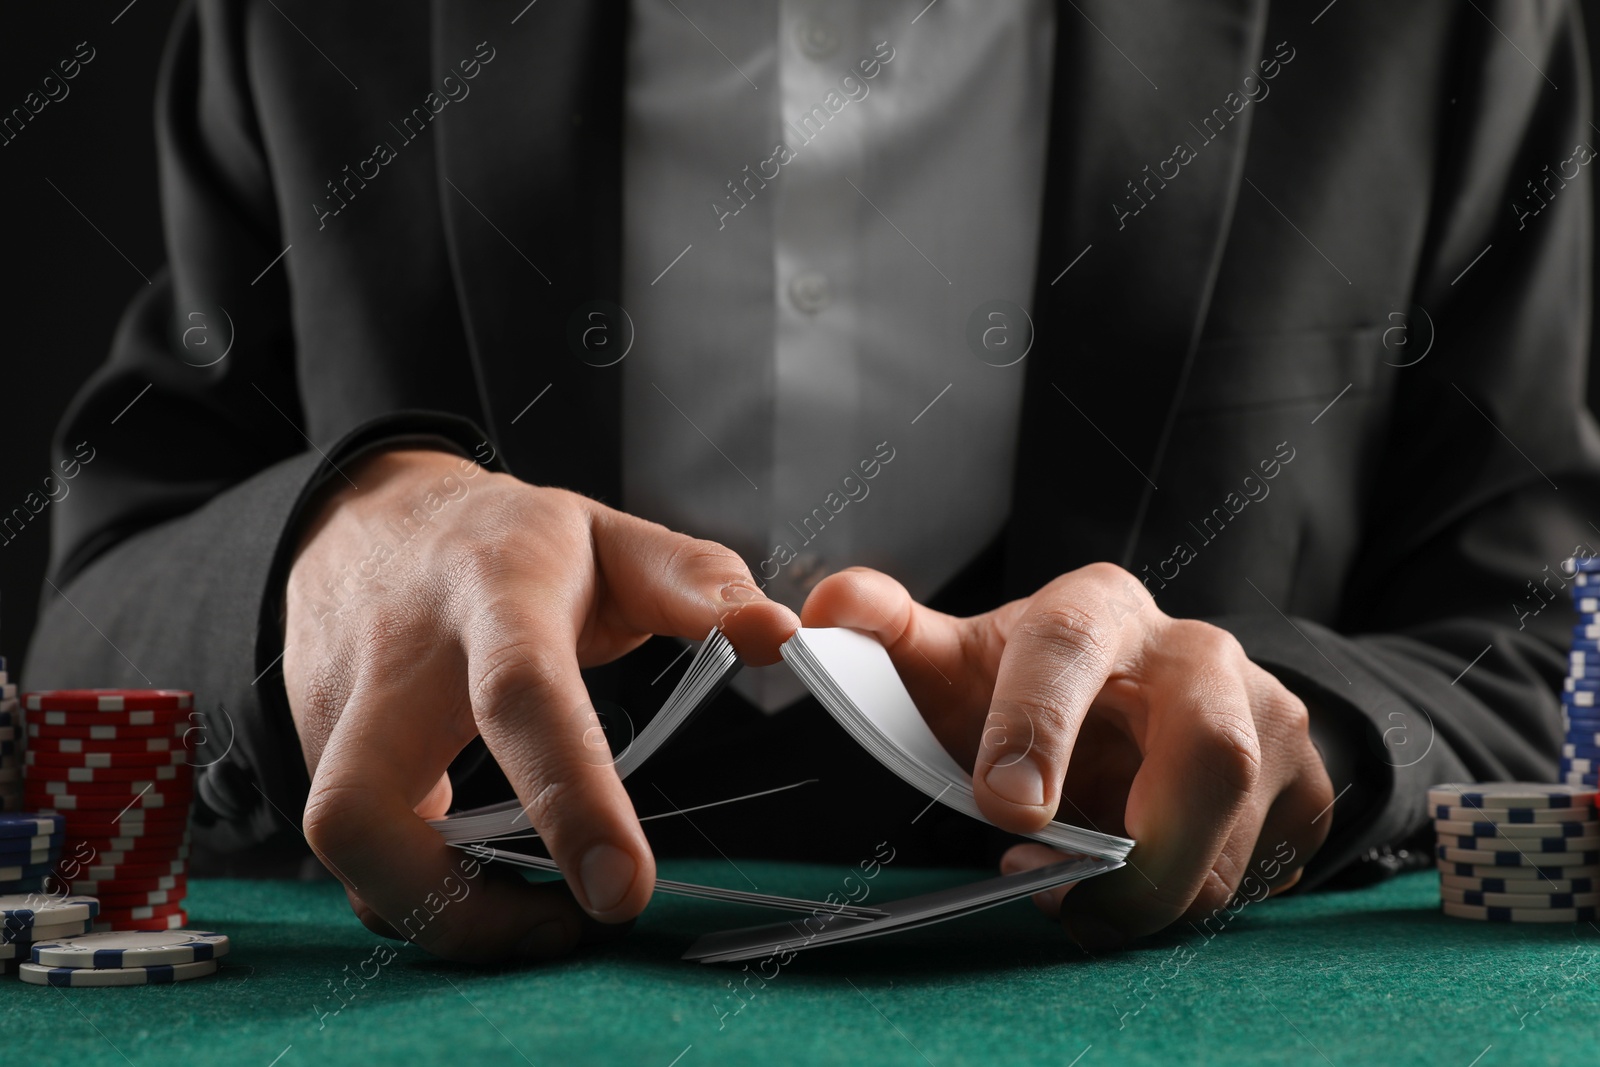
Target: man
1219, 368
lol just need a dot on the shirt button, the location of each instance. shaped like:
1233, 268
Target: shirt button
818, 39
810, 292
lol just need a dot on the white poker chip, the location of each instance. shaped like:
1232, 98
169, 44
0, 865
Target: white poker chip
158, 974
131, 948
1451, 895
1509, 915
1519, 831
1512, 795
39, 932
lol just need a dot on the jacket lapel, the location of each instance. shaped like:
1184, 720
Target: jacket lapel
1115, 334
530, 181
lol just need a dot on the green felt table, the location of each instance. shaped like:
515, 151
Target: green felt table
1369, 976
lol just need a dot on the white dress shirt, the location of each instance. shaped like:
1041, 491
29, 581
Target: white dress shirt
825, 203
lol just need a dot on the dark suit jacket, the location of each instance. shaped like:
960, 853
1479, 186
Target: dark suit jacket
1253, 308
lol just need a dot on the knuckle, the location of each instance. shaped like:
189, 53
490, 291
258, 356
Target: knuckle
507, 679
700, 559
1229, 751
1213, 643
1075, 631
328, 824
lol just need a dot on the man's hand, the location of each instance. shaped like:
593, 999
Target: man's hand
1180, 741
439, 602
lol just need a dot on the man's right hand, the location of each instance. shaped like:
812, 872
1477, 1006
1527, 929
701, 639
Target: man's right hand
439, 601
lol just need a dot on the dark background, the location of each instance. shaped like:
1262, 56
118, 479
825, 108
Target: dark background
65, 284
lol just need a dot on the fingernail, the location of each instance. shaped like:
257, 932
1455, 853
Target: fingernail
1018, 782
547, 939
1092, 933
606, 875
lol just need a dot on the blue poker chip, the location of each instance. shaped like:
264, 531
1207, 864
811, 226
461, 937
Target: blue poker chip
31, 824
1580, 685
1580, 752
1586, 601
1489, 870
1581, 565
1582, 737
131, 948
13, 845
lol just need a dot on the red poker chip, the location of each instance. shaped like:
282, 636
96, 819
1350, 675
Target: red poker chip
110, 718
104, 831
138, 857
105, 760
118, 873
137, 912
78, 746
108, 700
138, 898
108, 732
106, 802
97, 780
134, 821
175, 921
109, 779
93, 887
124, 843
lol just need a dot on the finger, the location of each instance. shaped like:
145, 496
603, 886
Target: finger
947, 663
1062, 647
1196, 790
437, 802
661, 582
1029, 857
534, 714
361, 821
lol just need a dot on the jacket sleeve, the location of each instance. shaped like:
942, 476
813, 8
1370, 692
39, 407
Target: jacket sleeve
188, 469
1447, 660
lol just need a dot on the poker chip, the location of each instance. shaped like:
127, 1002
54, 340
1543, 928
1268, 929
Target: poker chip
1512, 816
24, 871
1517, 857
107, 732
42, 932
1586, 752
117, 872
1518, 831
131, 949
1520, 900
1578, 698
29, 908
139, 900
175, 921
109, 701
1543, 870
98, 845
94, 719
27, 844
130, 761
1513, 796
39, 746
1532, 846
1521, 886
38, 974
1506, 915
94, 887
125, 788
149, 798
136, 913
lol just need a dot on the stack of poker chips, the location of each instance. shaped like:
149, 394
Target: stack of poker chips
10, 744
112, 762
30, 846
1519, 852
124, 958
27, 919
1580, 716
